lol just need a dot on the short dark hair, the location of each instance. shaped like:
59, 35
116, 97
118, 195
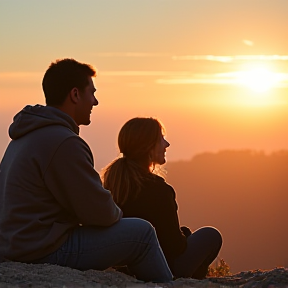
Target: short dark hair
62, 76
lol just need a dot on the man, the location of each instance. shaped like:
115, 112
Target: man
53, 208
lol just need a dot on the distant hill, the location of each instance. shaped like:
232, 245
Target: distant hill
242, 193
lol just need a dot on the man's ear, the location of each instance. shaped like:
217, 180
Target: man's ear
74, 95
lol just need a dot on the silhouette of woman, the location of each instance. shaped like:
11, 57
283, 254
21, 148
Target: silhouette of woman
140, 193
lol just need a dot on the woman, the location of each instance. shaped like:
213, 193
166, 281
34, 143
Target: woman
139, 192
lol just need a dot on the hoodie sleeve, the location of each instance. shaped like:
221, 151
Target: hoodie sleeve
76, 186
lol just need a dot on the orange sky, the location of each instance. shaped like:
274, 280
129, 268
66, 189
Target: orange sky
214, 72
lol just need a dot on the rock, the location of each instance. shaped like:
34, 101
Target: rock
20, 275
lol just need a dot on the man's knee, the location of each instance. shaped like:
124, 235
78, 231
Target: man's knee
139, 224
138, 230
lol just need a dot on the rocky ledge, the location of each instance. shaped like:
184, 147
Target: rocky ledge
14, 274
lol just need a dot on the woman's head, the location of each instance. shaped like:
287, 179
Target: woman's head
141, 140
142, 144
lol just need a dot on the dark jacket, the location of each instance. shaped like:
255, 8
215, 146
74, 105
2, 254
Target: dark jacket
156, 204
48, 185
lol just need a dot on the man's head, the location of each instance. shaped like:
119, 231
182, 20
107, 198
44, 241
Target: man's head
62, 76
67, 85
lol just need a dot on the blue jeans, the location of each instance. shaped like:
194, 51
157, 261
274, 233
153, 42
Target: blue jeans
131, 241
203, 246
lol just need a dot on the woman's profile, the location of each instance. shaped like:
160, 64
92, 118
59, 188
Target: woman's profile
140, 193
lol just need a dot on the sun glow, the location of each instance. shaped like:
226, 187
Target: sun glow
260, 82
258, 79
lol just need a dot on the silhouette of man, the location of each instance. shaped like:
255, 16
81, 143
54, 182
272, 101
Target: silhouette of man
53, 207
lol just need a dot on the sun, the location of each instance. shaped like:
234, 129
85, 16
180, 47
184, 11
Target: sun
258, 79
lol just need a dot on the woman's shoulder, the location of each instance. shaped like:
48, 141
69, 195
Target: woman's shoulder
157, 182
154, 179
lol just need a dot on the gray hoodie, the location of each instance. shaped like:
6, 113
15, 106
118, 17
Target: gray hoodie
48, 185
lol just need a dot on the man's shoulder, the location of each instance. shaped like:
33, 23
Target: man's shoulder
54, 135
56, 131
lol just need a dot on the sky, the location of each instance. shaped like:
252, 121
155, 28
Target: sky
215, 72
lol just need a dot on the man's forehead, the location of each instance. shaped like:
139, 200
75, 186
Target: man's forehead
91, 83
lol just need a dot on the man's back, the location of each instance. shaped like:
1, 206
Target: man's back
28, 183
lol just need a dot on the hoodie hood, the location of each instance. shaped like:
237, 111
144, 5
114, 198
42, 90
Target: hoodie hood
31, 118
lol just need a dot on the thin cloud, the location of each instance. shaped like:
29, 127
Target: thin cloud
248, 42
219, 58
131, 54
231, 58
215, 79
187, 77
230, 78
144, 73
204, 57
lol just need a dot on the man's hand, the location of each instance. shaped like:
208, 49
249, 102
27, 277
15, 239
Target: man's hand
186, 231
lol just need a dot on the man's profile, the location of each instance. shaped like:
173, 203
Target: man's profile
53, 207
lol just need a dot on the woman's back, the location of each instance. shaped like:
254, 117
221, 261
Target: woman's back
156, 203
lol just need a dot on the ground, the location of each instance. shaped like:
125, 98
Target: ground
13, 274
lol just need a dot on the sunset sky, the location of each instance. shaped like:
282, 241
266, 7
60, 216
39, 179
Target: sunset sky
215, 72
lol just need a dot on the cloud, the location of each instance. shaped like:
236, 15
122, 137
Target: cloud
230, 78
231, 58
215, 79
187, 77
144, 73
131, 54
215, 58
204, 57
248, 42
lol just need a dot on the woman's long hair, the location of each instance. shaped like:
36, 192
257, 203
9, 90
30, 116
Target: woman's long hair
125, 175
